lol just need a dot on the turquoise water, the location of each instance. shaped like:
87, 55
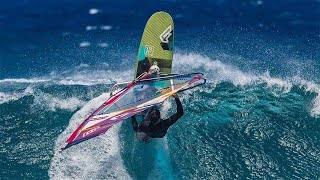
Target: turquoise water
257, 127
256, 118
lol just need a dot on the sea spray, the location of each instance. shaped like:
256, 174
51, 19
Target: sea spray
98, 158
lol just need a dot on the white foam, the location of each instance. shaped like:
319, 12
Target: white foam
98, 158
166, 106
84, 44
106, 27
259, 2
93, 77
104, 45
283, 85
7, 97
43, 100
49, 102
83, 65
315, 88
89, 28
93, 11
79, 75
218, 72
23, 80
315, 111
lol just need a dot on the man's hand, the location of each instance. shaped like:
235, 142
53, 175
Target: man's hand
175, 95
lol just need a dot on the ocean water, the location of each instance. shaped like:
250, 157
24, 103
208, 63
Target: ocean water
258, 117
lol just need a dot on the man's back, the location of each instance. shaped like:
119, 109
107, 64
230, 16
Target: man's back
158, 128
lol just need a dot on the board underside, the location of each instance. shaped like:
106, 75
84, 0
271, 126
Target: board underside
156, 45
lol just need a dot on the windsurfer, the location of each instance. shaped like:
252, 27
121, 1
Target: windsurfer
153, 126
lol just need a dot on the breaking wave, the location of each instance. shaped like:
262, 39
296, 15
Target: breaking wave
100, 158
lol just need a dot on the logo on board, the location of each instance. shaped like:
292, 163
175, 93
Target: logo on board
166, 34
149, 50
166, 38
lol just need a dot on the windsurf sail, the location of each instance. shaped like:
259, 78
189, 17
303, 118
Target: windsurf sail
138, 96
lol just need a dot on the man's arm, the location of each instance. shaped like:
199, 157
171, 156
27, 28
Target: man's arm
171, 120
179, 108
135, 124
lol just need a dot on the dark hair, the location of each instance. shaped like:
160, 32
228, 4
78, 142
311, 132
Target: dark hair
153, 114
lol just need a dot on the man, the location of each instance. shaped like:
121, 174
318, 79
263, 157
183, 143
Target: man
153, 126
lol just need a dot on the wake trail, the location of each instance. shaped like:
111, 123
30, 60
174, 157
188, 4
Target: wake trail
98, 158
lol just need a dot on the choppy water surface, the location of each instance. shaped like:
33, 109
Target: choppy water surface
256, 118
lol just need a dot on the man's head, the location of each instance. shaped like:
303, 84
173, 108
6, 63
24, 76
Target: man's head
153, 116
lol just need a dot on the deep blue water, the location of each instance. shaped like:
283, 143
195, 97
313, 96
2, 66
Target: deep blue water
257, 118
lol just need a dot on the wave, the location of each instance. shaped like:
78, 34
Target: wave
216, 71
82, 74
7, 97
92, 160
42, 100
51, 103
23, 80
96, 160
